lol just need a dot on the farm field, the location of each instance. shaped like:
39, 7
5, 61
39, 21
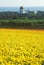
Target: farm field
21, 47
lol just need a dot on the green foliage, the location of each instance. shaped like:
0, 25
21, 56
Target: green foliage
42, 63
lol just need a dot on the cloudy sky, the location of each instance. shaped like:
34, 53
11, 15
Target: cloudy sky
18, 3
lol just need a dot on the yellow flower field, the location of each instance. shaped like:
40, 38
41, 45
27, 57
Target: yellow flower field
21, 47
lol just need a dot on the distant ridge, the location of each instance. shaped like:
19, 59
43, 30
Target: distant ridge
2, 9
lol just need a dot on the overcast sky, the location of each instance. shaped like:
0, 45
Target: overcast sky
18, 3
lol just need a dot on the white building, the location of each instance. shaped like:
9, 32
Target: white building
35, 12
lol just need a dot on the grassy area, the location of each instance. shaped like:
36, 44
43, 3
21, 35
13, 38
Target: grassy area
22, 23
22, 20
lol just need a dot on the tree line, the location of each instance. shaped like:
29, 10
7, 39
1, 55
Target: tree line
16, 20
15, 15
